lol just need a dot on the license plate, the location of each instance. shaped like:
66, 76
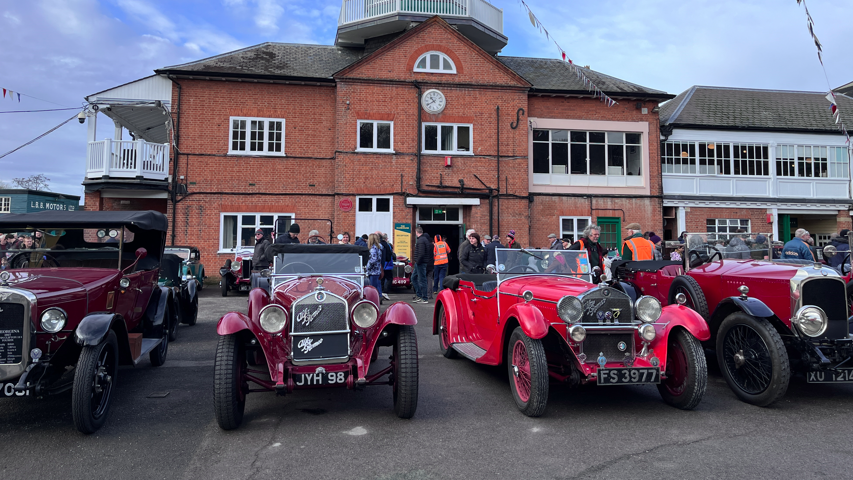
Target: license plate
842, 375
628, 376
244, 287
324, 378
8, 390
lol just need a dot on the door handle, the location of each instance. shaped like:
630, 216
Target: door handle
473, 299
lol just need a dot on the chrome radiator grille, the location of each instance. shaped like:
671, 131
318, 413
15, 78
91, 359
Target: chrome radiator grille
320, 312
11, 333
608, 344
399, 271
606, 306
830, 294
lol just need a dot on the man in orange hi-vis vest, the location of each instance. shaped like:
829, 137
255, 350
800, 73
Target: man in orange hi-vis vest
440, 250
635, 246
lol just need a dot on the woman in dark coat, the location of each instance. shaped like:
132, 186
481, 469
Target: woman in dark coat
474, 257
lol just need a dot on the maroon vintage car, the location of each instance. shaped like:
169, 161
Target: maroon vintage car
80, 299
542, 318
312, 324
768, 318
402, 272
236, 275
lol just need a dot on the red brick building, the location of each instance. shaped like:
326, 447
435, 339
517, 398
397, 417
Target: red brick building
426, 126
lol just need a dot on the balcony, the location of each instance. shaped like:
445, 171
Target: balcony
478, 20
759, 187
125, 159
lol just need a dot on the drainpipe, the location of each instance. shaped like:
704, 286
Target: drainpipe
498, 159
418, 147
177, 142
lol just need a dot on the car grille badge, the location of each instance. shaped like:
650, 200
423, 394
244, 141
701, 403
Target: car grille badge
629, 360
306, 344
305, 317
600, 316
601, 359
621, 346
582, 357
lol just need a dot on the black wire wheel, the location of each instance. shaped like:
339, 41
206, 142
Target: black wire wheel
94, 380
696, 300
405, 372
444, 335
753, 359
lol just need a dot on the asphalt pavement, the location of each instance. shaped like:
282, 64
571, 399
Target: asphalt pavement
467, 426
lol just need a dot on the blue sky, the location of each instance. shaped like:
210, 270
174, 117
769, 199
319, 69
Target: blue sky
61, 50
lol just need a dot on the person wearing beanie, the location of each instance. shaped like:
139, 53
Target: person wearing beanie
491, 254
635, 247
760, 248
842, 245
510, 240
292, 235
656, 240
261, 246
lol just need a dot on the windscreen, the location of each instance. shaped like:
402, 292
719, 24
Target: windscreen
184, 253
65, 248
708, 246
317, 263
514, 262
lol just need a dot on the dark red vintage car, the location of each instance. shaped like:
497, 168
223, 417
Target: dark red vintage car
768, 318
402, 272
542, 318
81, 299
236, 275
316, 325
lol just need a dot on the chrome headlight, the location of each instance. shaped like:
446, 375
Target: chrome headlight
53, 319
273, 318
364, 314
647, 332
811, 320
570, 309
648, 309
407, 269
235, 266
577, 333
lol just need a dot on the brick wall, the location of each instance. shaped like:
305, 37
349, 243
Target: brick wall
93, 201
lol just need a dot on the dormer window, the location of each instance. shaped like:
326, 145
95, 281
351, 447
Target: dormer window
435, 62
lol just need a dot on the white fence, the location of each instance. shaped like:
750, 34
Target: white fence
357, 10
127, 159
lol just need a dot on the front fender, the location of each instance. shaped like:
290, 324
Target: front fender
192, 290
681, 316
232, 322
156, 310
372, 294
750, 306
399, 313
94, 328
530, 319
448, 302
258, 299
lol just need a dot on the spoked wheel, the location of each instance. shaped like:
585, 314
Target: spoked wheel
94, 381
528, 373
686, 371
158, 355
695, 297
444, 335
229, 384
192, 318
753, 359
405, 372
173, 327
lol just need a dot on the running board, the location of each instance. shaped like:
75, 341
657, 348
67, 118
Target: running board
469, 350
148, 344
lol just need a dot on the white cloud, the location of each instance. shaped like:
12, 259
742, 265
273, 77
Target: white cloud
269, 12
146, 13
12, 19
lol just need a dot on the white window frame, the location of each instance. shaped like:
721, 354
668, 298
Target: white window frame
240, 225
442, 58
359, 148
454, 152
5, 204
793, 156
577, 234
440, 222
728, 234
265, 141
607, 173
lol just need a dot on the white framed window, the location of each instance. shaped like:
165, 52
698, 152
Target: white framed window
439, 214
726, 227
447, 138
375, 136
256, 136
806, 161
572, 227
751, 160
435, 62
715, 158
237, 230
679, 157
5, 204
561, 152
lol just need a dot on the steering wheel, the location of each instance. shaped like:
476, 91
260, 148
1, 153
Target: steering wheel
22, 260
717, 255
522, 269
285, 268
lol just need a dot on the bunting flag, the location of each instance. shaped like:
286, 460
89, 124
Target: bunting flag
833, 101
589, 84
11, 94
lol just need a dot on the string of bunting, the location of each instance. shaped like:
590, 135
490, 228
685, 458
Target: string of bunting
11, 95
588, 84
833, 100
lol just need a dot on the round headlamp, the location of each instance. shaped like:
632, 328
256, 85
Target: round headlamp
407, 269
365, 314
273, 318
570, 309
647, 332
53, 319
235, 266
811, 320
124, 282
648, 309
577, 333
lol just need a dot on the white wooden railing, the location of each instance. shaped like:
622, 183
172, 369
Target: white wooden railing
763, 187
353, 11
127, 159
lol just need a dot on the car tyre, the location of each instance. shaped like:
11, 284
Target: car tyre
696, 300
158, 355
405, 371
173, 326
850, 296
444, 336
753, 359
94, 381
229, 392
200, 279
686, 371
192, 318
528, 373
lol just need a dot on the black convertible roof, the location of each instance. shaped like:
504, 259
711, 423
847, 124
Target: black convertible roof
145, 220
279, 248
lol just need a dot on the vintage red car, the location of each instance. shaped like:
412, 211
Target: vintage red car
236, 275
402, 272
315, 326
768, 318
546, 322
82, 298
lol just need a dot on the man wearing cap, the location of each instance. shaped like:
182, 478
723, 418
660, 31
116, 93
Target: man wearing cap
261, 246
291, 236
635, 246
555, 243
314, 238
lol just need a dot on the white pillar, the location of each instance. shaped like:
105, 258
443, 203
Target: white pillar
775, 228
92, 127
681, 218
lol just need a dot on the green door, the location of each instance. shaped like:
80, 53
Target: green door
787, 226
611, 232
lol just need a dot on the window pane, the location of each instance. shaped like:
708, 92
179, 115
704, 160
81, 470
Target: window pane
422, 64
540, 135
579, 137
238, 136
596, 137
283, 223
365, 204
266, 221
635, 160
256, 136
248, 220
247, 236
383, 204
446, 65
541, 159
559, 135
274, 137
453, 214
447, 137
581, 224
424, 214
615, 137
365, 135
579, 158
433, 62
633, 138
431, 137
463, 143
560, 158
383, 135
596, 160
438, 215
229, 231
615, 160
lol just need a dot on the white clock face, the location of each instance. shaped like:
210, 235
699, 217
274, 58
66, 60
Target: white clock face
433, 101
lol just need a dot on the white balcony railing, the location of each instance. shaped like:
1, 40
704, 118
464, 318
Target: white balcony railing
761, 187
353, 11
127, 159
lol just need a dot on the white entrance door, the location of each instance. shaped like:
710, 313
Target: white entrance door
372, 214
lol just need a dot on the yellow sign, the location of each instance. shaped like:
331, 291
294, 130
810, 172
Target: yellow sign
403, 239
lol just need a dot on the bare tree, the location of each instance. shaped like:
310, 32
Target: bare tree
33, 182
4, 184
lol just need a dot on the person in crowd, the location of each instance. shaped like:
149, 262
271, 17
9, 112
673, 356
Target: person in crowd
486, 240
474, 257
462, 247
29, 244
635, 247
510, 240
259, 260
491, 257
430, 266
292, 235
842, 245
388, 257
554, 243
798, 247
738, 248
596, 252
677, 255
567, 242
38, 239
374, 264
440, 251
314, 238
760, 248
361, 241
658, 251
420, 266
6, 241
683, 237
345, 239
